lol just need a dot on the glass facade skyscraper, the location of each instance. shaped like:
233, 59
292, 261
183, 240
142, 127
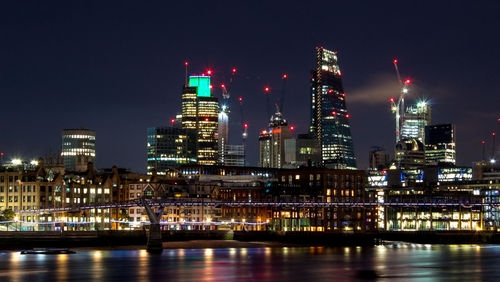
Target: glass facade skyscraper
416, 118
329, 116
440, 143
78, 148
170, 147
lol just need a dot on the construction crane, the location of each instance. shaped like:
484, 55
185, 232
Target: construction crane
226, 91
244, 135
267, 92
283, 90
398, 108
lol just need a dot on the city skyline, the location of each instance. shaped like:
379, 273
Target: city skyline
121, 103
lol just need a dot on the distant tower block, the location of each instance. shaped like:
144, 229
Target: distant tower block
78, 148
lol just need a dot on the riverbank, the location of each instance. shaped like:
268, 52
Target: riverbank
200, 244
236, 239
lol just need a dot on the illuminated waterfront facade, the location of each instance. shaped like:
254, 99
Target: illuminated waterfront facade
169, 147
440, 143
78, 148
200, 112
467, 216
329, 116
327, 186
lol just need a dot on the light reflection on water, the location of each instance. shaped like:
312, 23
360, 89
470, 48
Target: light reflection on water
391, 262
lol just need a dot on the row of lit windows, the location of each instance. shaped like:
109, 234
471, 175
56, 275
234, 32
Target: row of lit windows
90, 137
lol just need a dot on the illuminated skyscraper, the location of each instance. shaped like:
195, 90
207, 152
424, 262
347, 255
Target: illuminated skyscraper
223, 135
78, 148
200, 112
416, 118
272, 142
329, 116
440, 144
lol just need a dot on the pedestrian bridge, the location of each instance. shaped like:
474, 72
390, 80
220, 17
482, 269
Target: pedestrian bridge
274, 204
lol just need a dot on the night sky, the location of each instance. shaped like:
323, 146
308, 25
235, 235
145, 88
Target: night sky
118, 67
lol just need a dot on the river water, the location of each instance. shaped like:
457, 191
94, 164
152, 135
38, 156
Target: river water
409, 262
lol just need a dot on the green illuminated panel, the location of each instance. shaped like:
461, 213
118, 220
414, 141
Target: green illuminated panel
202, 83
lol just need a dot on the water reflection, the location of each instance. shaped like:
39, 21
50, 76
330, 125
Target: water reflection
398, 261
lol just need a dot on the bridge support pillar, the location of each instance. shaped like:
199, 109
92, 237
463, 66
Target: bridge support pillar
154, 244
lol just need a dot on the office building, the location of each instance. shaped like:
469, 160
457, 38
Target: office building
409, 153
379, 158
78, 148
329, 116
302, 151
272, 142
200, 112
416, 118
440, 143
169, 147
223, 135
264, 149
234, 155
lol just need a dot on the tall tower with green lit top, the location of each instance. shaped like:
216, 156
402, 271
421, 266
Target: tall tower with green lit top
200, 112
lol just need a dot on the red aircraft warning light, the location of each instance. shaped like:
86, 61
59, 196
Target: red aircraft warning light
334, 113
209, 72
483, 142
408, 81
234, 70
206, 119
285, 75
493, 134
222, 85
240, 99
211, 86
172, 120
292, 128
391, 100
186, 63
245, 125
395, 61
266, 89
347, 115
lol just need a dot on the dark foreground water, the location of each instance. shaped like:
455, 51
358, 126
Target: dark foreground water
391, 263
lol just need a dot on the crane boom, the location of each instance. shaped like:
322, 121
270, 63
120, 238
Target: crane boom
283, 91
398, 107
